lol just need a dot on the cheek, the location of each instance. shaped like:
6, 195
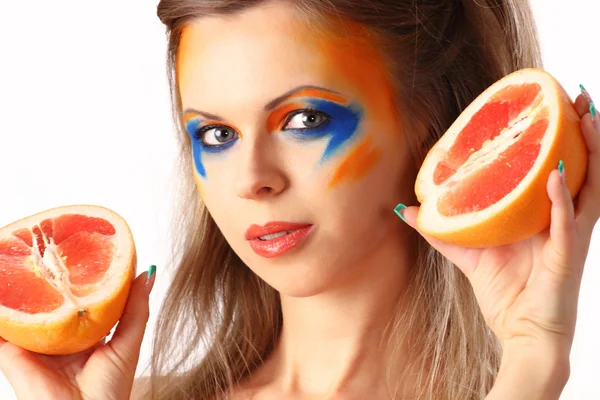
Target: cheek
199, 185
215, 186
358, 163
216, 195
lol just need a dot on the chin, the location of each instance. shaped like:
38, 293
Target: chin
300, 289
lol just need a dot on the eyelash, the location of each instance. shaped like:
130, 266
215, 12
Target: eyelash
307, 110
199, 132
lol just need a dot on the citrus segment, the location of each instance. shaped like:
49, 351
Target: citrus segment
25, 235
13, 248
495, 180
47, 228
20, 287
66, 226
87, 257
485, 125
25, 291
39, 241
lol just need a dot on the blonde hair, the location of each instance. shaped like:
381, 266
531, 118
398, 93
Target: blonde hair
442, 54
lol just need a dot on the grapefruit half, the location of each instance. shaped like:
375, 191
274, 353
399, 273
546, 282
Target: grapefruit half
483, 183
65, 275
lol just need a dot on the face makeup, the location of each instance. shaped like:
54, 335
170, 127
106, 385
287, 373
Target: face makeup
317, 113
295, 126
208, 136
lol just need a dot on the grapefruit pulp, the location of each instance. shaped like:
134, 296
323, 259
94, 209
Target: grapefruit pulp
483, 183
65, 275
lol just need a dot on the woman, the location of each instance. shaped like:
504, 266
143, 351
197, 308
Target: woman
310, 119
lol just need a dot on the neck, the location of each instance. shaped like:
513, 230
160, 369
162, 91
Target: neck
335, 342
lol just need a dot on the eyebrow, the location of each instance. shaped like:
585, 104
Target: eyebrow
203, 114
270, 106
274, 103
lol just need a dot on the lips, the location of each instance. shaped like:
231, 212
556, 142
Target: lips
276, 238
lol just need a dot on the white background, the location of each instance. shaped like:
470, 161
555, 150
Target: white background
84, 118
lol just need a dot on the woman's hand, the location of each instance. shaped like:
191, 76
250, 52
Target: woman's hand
528, 291
105, 371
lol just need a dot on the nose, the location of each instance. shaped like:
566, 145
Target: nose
259, 174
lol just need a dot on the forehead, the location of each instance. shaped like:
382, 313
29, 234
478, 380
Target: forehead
224, 60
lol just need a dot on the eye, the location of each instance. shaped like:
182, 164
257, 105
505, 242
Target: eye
214, 136
305, 119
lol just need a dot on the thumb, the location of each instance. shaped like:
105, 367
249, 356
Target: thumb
127, 340
22, 368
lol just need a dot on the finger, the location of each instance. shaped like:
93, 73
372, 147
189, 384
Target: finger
582, 105
127, 340
588, 209
562, 223
464, 258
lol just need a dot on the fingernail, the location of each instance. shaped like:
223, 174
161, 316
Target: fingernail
595, 116
151, 271
398, 210
561, 167
586, 94
561, 171
593, 110
150, 277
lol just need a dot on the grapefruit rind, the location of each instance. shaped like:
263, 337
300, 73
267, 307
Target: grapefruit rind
78, 323
525, 211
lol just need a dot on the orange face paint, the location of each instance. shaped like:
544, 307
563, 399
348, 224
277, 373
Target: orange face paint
194, 124
188, 116
360, 67
277, 117
344, 59
320, 94
185, 62
358, 163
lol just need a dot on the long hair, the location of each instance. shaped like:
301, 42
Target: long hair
219, 321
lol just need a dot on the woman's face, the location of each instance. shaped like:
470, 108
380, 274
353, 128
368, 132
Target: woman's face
298, 154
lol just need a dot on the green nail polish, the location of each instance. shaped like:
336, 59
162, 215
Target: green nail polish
398, 210
561, 167
593, 111
585, 94
151, 271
